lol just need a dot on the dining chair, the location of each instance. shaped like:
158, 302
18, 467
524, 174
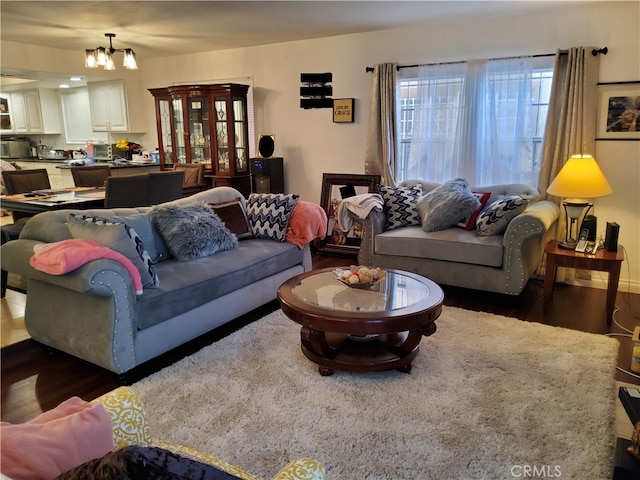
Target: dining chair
91, 176
165, 186
193, 177
24, 181
127, 191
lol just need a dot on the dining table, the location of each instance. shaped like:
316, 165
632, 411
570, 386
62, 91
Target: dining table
39, 201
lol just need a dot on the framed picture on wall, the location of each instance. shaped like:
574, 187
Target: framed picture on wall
335, 188
619, 111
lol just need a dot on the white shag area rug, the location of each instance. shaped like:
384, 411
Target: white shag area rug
489, 397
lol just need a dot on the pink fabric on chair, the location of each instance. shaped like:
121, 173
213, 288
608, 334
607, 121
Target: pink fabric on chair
69, 435
308, 221
65, 256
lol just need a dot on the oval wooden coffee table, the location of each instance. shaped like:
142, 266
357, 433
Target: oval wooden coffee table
354, 330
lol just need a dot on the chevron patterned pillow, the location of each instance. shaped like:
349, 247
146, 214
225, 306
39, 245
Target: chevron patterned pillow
269, 214
496, 217
400, 205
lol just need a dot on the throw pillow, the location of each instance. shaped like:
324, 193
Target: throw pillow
400, 205
72, 433
446, 205
495, 218
119, 237
191, 231
151, 238
233, 215
469, 223
135, 462
269, 214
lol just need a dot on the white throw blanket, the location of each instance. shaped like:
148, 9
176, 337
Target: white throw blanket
358, 205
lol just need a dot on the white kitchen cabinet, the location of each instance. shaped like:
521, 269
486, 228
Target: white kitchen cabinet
108, 102
6, 125
76, 112
35, 111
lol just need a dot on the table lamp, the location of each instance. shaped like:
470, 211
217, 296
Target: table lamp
579, 179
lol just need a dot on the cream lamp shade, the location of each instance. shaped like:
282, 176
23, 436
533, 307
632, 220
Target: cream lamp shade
579, 179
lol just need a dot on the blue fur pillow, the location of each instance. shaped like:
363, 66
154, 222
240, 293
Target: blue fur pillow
191, 231
446, 205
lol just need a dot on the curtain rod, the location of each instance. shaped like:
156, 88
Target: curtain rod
595, 52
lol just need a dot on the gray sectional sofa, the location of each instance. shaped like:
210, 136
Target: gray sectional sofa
94, 313
454, 256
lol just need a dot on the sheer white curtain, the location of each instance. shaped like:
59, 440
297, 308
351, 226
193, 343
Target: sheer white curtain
473, 120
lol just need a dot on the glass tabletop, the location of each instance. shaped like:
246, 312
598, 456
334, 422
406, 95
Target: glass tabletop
396, 291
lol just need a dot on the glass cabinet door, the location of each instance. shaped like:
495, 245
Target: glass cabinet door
239, 122
179, 131
222, 135
199, 138
166, 144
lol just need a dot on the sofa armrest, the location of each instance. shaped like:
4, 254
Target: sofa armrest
533, 222
85, 279
371, 226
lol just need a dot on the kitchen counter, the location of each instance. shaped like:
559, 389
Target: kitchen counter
60, 172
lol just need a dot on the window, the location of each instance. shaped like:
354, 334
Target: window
479, 120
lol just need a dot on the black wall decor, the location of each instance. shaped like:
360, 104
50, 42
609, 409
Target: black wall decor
315, 93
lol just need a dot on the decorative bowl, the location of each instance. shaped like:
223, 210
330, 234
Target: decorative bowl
360, 277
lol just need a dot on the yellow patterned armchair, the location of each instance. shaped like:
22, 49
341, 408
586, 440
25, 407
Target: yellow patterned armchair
130, 427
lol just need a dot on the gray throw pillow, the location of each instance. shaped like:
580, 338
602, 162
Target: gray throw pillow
191, 231
496, 217
446, 205
117, 236
153, 242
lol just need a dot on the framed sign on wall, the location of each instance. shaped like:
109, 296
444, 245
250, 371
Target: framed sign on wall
343, 110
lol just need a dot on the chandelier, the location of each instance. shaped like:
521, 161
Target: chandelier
103, 57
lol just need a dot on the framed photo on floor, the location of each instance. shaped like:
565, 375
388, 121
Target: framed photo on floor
335, 188
619, 111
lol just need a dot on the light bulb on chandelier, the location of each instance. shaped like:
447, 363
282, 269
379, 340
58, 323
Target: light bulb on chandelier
103, 57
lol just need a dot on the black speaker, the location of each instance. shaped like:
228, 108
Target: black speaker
316, 77
611, 237
266, 145
267, 175
590, 223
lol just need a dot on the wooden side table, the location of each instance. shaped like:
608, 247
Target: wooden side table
602, 261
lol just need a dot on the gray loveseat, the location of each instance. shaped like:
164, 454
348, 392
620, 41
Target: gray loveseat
95, 314
454, 256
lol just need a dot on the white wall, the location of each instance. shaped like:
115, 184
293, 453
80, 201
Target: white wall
311, 144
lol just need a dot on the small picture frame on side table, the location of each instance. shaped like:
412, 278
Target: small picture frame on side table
619, 111
335, 188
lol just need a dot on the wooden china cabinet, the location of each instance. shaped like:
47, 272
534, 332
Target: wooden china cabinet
206, 124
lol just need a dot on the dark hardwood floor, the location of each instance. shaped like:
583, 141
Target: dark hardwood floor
35, 380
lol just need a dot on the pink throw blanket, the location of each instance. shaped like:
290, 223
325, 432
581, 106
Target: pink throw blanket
65, 256
308, 221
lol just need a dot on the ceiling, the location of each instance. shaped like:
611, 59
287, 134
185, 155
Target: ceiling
156, 28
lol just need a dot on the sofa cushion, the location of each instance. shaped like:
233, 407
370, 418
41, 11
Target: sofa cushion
68, 435
469, 223
269, 214
495, 218
188, 286
234, 216
452, 245
446, 205
119, 237
400, 205
191, 231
